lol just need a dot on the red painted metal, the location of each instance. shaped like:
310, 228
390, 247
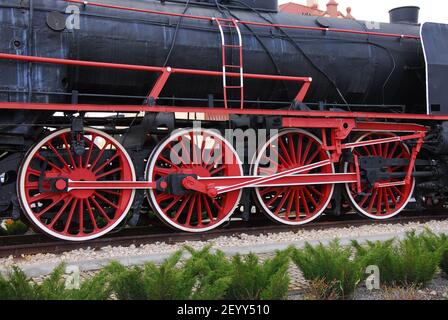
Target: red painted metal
78, 214
219, 112
389, 127
167, 71
263, 180
210, 184
95, 64
205, 154
386, 198
358, 173
259, 24
419, 135
110, 185
160, 84
295, 204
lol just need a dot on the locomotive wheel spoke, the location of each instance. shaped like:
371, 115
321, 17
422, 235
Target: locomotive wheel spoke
204, 153
293, 205
76, 215
382, 202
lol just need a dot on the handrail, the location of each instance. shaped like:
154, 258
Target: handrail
253, 23
165, 72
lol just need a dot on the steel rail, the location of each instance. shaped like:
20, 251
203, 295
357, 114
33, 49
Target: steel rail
40, 243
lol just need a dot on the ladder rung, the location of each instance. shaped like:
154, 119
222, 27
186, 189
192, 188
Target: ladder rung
233, 87
232, 46
232, 66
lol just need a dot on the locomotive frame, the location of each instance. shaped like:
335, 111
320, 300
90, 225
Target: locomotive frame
205, 193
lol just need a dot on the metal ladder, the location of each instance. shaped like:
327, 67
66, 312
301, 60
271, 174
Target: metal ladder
235, 68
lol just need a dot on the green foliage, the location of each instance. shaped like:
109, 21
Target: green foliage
17, 287
252, 280
444, 261
95, 288
212, 273
331, 266
53, 287
12, 228
203, 276
167, 282
410, 262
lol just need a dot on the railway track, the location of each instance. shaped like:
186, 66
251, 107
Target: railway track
39, 243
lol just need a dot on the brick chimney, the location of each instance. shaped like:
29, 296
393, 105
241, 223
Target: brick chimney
332, 9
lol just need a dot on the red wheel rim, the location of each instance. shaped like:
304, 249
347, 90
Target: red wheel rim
385, 202
77, 215
206, 154
293, 205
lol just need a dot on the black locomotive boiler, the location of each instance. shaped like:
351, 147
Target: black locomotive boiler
100, 104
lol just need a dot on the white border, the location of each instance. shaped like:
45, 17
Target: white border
150, 166
358, 208
27, 209
257, 190
428, 112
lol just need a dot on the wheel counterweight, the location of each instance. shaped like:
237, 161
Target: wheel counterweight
293, 205
202, 153
76, 215
381, 203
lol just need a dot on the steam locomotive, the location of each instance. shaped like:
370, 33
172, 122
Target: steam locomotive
110, 104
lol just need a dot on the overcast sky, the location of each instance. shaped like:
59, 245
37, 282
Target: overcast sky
378, 10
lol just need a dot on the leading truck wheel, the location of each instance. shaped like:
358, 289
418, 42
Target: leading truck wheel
203, 153
76, 215
293, 204
384, 202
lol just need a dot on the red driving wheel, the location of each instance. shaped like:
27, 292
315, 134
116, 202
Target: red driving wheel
76, 215
293, 204
385, 202
203, 153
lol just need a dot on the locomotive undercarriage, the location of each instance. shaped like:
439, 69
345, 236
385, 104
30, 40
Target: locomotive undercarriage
75, 189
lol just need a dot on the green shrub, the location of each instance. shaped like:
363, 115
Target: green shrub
331, 266
439, 245
444, 261
126, 283
17, 287
167, 281
12, 228
94, 288
204, 275
212, 273
252, 280
53, 287
410, 262
432, 241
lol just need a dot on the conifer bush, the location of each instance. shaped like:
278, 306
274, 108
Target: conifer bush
255, 280
331, 267
444, 261
410, 262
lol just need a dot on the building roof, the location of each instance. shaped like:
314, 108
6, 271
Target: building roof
300, 9
292, 7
